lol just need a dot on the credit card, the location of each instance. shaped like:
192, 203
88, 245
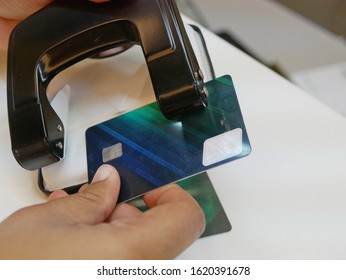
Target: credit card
150, 151
201, 189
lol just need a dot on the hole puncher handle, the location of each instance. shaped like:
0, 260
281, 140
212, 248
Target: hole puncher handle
67, 32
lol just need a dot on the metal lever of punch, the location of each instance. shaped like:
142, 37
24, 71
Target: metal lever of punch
67, 32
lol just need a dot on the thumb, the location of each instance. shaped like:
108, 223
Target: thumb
93, 204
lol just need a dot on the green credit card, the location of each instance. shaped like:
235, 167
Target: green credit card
150, 151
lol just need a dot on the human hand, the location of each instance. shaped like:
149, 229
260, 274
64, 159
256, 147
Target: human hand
13, 11
86, 225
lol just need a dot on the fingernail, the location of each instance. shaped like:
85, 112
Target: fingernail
102, 173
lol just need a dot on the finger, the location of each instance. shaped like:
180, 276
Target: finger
57, 194
83, 187
152, 198
124, 211
173, 223
92, 205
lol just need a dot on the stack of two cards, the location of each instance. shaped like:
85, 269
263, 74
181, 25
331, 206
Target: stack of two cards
150, 151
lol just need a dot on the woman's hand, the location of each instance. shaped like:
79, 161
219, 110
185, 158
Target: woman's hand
88, 225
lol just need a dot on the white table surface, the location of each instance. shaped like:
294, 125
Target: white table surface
274, 33
287, 200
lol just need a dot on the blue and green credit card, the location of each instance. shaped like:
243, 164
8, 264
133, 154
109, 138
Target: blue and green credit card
150, 151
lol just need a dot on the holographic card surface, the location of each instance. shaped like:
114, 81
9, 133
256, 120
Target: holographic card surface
150, 151
201, 189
